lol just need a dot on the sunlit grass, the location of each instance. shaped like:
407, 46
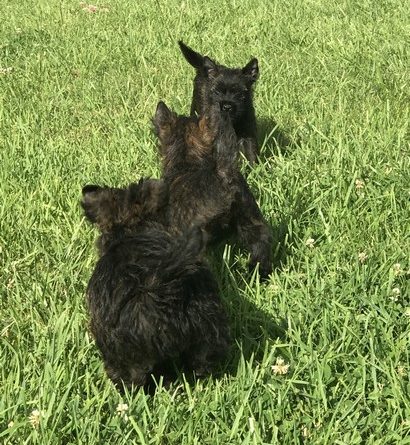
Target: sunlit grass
322, 349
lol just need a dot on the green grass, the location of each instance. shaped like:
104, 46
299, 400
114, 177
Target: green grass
76, 109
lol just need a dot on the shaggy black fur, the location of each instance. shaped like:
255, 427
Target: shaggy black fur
206, 187
231, 89
151, 298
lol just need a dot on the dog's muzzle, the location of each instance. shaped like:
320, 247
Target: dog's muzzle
227, 107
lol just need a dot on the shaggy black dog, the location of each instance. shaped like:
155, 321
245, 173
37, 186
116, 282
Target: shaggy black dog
205, 185
231, 89
151, 298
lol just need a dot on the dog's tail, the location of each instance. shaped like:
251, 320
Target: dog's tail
192, 57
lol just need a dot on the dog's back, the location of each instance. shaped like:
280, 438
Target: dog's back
150, 298
209, 189
199, 157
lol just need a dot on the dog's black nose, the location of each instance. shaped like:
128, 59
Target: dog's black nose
226, 106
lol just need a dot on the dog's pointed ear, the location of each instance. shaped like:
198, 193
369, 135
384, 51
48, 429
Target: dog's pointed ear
251, 69
102, 206
162, 114
150, 194
91, 201
192, 57
162, 120
134, 192
201, 63
209, 67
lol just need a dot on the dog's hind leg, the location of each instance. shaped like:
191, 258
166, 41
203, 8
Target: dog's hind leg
203, 358
131, 377
210, 334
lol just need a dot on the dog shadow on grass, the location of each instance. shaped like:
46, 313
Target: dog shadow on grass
274, 139
251, 328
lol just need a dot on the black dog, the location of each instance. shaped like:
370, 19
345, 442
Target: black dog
206, 187
151, 298
231, 89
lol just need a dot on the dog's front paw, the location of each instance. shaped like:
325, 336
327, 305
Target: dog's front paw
264, 268
249, 148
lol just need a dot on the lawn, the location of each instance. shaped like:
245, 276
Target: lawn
322, 352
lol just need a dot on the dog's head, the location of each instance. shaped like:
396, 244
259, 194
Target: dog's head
229, 88
124, 209
185, 139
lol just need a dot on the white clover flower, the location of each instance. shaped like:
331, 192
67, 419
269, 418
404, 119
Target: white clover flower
35, 418
395, 294
363, 257
6, 70
397, 270
280, 367
305, 432
310, 242
275, 288
359, 183
122, 409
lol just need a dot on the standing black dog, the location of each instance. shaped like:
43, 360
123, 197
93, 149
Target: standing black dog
151, 298
231, 89
199, 164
